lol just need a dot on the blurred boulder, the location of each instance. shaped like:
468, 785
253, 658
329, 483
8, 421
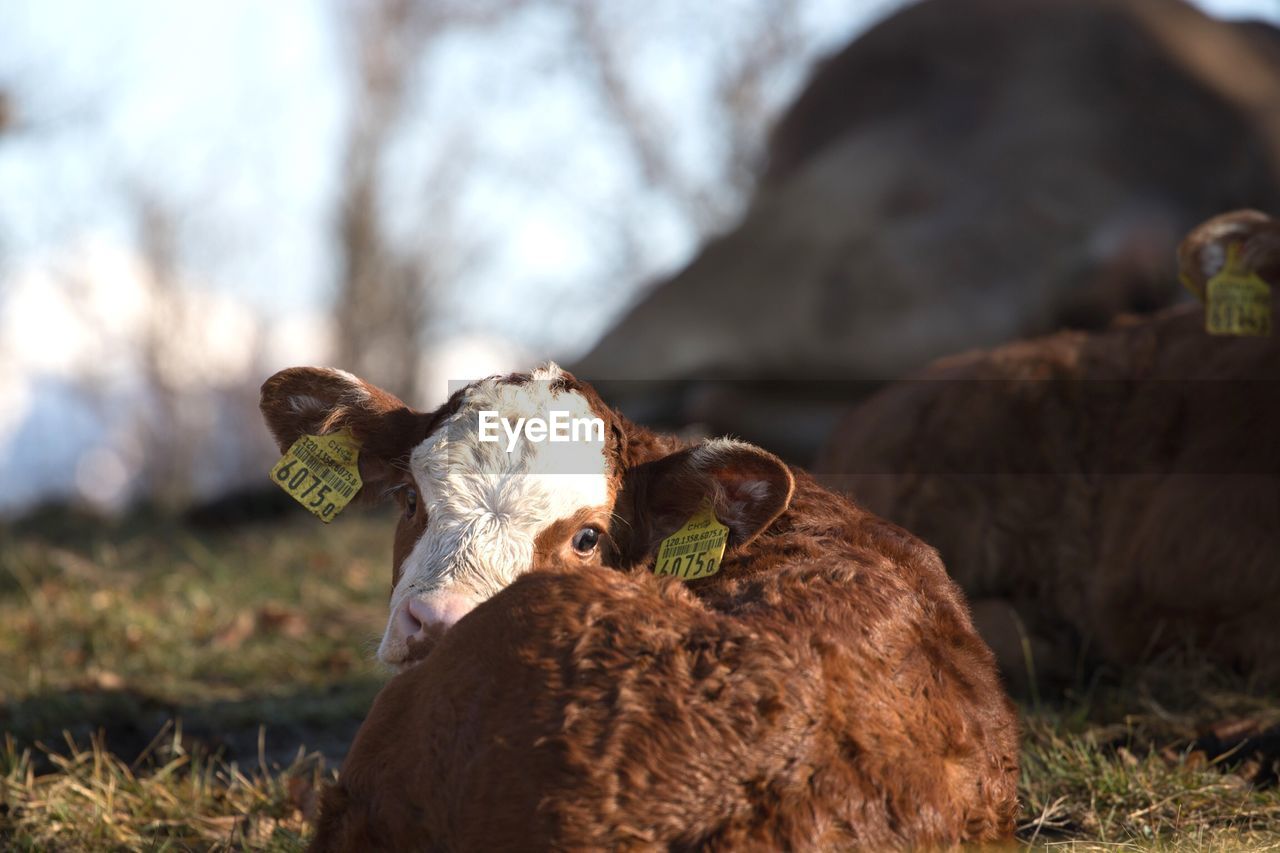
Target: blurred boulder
965, 173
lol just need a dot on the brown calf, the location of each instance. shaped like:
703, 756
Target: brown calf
825, 687
1112, 495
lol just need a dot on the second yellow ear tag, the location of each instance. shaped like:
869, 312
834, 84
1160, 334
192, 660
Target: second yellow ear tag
1237, 301
321, 473
694, 551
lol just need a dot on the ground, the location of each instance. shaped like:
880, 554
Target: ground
166, 685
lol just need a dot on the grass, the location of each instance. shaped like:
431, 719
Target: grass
171, 688
1161, 758
173, 797
167, 687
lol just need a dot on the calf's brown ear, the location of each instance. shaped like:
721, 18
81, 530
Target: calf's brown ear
748, 489
320, 400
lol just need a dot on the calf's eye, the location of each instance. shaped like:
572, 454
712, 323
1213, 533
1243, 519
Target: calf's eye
586, 540
410, 501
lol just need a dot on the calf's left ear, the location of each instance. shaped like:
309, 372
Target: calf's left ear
320, 400
748, 489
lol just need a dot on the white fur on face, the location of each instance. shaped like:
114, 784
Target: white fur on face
485, 506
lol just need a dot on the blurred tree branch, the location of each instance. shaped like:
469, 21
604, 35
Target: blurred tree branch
169, 462
385, 289
389, 287
776, 42
770, 40
642, 131
380, 304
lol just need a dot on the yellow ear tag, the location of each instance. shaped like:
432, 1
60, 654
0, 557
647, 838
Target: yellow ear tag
694, 551
1238, 302
320, 472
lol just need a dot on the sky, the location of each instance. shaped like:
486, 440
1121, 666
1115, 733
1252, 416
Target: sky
233, 109
231, 112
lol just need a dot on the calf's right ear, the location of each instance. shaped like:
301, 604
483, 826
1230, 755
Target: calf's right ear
748, 489
320, 400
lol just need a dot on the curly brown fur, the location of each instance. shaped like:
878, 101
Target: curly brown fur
825, 690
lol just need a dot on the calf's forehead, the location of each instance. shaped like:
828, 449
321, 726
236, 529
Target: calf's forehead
486, 501
502, 405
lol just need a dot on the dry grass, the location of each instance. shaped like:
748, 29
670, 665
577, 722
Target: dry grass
1077, 792
1164, 757
170, 798
162, 687
199, 676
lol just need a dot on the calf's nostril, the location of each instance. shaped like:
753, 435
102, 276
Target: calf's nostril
408, 622
424, 614
438, 613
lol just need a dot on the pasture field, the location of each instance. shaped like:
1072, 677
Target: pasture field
169, 687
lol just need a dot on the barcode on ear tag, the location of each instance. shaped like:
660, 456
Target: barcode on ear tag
1237, 301
321, 472
1238, 306
696, 549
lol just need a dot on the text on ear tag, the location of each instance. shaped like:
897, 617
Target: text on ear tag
321, 472
1237, 301
695, 550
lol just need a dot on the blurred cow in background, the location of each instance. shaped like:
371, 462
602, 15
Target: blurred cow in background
1102, 497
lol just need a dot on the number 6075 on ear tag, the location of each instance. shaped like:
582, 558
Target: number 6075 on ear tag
696, 549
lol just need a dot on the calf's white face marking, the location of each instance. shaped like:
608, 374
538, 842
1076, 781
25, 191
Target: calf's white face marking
486, 504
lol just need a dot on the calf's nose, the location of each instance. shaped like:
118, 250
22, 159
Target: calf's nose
408, 624
420, 622
440, 610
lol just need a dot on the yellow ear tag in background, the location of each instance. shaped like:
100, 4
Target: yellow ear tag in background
694, 551
320, 472
1237, 301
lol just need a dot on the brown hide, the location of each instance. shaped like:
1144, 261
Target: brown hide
825, 690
